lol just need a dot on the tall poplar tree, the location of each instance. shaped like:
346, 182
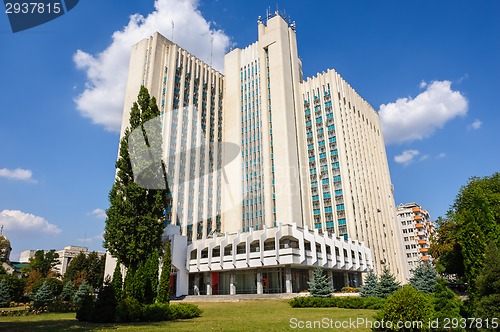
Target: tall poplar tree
135, 220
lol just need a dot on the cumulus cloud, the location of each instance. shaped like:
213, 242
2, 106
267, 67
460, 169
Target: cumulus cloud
21, 222
476, 124
102, 99
98, 213
410, 119
406, 157
17, 174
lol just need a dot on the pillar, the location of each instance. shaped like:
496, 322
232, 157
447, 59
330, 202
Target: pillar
346, 279
260, 286
288, 279
208, 277
232, 286
329, 274
196, 290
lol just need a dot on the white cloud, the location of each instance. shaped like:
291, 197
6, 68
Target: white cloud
410, 119
441, 155
21, 222
102, 100
98, 237
17, 174
423, 84
406, 157
476, 124
98, 213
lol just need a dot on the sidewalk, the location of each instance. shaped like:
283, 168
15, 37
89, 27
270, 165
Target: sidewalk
235, 298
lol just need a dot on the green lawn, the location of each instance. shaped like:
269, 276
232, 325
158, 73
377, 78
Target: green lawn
255, 315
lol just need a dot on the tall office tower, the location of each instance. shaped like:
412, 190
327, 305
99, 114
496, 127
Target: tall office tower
416, 231
262, 98
347, 188
189, 94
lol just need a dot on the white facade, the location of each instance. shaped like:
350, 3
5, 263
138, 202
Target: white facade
416, 232
65, 256
311, 168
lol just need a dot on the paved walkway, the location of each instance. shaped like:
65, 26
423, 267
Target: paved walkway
235, 298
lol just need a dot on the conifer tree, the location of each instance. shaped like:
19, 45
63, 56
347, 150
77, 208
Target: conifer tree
43, 296
68, 291
424, 278
4, 294
487, 295
387, 283
370, 285
320, 286
118, 281
164, 285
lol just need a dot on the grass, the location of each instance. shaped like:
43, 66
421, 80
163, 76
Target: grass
254, 315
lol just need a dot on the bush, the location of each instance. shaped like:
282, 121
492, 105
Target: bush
406, 305
348, 289
105, 305
16, 287
129, 310
337, 302
84, 302
185, 311
157, 312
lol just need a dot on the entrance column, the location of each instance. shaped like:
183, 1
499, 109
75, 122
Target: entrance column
208, 278
232, 286
346, 279
329, 274
288, 279
260, 287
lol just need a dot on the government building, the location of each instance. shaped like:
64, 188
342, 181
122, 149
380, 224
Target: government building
271, 174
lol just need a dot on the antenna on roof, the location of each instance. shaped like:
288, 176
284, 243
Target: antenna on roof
173, 26
1, 230
211, 49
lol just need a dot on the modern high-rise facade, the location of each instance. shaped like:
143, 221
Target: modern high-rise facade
416, 231
308, 186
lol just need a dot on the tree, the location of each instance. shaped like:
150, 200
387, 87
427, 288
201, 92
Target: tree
76, 265
387, 283
473, 222
446, 248
4, 294
15, 285
89, 267
105, 305
406, 305
446, 303
55, 285
370, 285
43, 296
68, 291
95, 269
134, 223
424, 278
164, 285
118, 281
487, 296
84, 302
44, 262
320, 286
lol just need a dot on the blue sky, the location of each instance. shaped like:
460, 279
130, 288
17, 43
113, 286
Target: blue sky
432, 64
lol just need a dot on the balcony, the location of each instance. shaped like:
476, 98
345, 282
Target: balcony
417, 218
424, 250
419, 225
422, 241
416, 210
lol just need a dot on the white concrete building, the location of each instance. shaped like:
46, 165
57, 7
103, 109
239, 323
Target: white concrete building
309, 185
416, 232
65, 256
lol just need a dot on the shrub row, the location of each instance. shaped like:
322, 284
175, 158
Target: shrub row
338, 302
130, 310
